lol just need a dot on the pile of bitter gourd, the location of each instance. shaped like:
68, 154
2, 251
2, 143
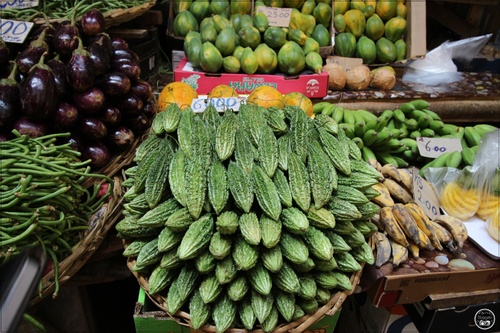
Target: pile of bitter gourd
247, 219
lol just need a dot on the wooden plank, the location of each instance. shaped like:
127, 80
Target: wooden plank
451, 20
128, 33
449, 300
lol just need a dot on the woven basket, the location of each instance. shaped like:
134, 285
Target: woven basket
98, 226
114, 17
297, 326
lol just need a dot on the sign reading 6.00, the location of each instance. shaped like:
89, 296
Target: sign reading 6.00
278, 17
14, 31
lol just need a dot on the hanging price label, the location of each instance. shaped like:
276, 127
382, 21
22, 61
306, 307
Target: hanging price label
6, 4
14, 31
434, 147
278, 17
221, 104
425, 196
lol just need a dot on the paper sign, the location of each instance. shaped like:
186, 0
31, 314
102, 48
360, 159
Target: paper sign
14, 31
221, 104
7, 4
425, 196
346, 62
278, 17
434, 147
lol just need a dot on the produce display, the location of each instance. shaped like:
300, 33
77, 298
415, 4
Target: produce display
44, 197
247, 219
227, 36
72, 77
371, 30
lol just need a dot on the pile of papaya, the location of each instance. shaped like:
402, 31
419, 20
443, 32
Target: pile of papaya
236, 37
370, 29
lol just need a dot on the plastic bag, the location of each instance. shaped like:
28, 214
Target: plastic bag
438, 67
474, 190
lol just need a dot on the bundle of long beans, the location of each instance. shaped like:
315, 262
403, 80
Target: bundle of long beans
61, 9
46, 198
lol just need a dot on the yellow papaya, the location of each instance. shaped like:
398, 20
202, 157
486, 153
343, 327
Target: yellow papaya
267, 59
300, 100
386, 9
248, 61
210, 58
311, 45
311, 20
340, 6
298, 20
293, 3
273, 3
240, 7
374, 28
291, 58
357, 4
314, 62
395, 28
298, 36
401, 10
355, 22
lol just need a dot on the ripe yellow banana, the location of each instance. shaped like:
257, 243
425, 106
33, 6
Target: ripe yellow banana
375, 219
384, 199
383, 248
425, 242
398, 193
390, 171
456, 227
406, 178
424, 224
414, 250
406, 222
444, 237
391, 226
399, 253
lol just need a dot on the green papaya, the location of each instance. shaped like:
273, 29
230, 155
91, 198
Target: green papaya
206, 22
184, 22
260, 21
190, 35
386, 50
357, 4
341, 6
345, 44
192, 49
209, 34
308, 7
293, 3
291, 58
181, 5
240, 7
366, 49
200, 9
314, 61
374, 28
321, 35
245, 21
298, 20
355, 22
220, 22
311, 45
298, 36
248, 61
395, 28
231, 64
235, 21
210, 58
226, 41
238, 51
368, 11
339, 23
273, 3
400, 49
249, 36
323, 13
275, 37
267, 59
220, 7
386, 9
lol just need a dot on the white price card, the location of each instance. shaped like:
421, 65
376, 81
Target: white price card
425, 196
14, 31
434, 147
221, 104
18, 4
278, 17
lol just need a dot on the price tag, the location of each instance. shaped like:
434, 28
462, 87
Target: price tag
279, 17
434, 147
221, 104
14, 31
7, 4
425, 196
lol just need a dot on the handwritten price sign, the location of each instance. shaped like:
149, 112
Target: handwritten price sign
221, 104
425, 196
278, 17
14, 31
6, 4
434, 147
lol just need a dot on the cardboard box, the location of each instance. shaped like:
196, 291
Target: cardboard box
468, 319
308, 83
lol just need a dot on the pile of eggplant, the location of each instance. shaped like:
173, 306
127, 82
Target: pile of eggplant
73, 77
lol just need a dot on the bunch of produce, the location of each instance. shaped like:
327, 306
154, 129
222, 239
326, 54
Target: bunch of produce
248, 219
371, 30
360, 77
45, 199
390, 137
403, 227
72, 77
225, 36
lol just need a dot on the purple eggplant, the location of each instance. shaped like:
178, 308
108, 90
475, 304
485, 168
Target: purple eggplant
138, 123
111, 115
31, 128
39, 92
128, 104
31, 55
103, 40
119, 43
65, 39
121, 137
97, 152
114, 84
100, 58
59, 71
4, 54
10, 100
127, 67
80, 69
122, 54
92, 129
89, 102
65, 117
150, 109
141, 89
92, 22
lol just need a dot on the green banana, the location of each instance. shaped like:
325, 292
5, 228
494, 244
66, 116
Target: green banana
338, 114
369, 137
412, 124
318, 107
399, 115
327, 110
359, 128
420, 104
348, 129
432, 114
415, 134
436, 125
428, 133
440, 161
482, 129
447, 129
349, 117
468, 155
383, 137
358, 141
386, 158
368, 155
423, 122
407, 107
402, 162
370, 119
472, 136
415, 114
453, 159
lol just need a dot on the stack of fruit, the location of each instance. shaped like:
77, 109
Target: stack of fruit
247, 219
226, 36
371, 30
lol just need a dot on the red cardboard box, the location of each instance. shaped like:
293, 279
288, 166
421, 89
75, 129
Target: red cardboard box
308, 83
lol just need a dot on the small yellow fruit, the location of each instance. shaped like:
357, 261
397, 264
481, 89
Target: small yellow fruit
266, 96
300, 100
221, 91
180, 93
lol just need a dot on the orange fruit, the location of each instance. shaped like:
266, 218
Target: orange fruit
266, 96
180, 93
300, 100
221, 91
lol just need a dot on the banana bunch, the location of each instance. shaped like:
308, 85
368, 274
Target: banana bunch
395, 187
405, 229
